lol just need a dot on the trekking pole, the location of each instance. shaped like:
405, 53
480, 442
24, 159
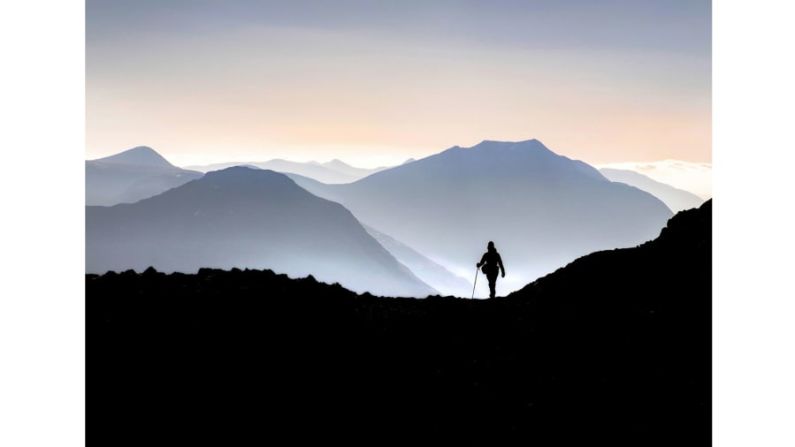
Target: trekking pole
476, 282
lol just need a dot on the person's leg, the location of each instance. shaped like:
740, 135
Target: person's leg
492, 286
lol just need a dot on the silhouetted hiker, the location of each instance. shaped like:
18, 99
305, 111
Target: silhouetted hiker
492, 264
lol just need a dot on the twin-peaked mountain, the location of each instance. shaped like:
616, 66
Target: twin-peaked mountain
132, 175
246, 218
542, 210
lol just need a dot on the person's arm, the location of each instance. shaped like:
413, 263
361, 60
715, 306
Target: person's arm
482, 260
502, 267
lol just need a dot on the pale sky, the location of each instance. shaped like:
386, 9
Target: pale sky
376, 82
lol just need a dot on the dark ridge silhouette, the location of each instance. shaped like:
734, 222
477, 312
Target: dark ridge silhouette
613, 349
242, 217
132, 175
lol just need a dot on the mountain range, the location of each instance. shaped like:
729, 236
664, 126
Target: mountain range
542, 210
132, 175
248, 218
435, 215
676, 199
332, 172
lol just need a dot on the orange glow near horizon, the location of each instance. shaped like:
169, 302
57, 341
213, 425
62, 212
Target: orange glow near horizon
257, 92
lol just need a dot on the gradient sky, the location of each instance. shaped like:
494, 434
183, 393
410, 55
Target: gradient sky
376, 82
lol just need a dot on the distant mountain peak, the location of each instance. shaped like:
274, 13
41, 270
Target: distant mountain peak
241, 172
531, 143
337, 163
503, 142
252, 182
239, 169
488, 147
546, 209
140, 156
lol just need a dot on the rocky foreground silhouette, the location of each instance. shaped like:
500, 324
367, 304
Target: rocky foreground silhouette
613, 349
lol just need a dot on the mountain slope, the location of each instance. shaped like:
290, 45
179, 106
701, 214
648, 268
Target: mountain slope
613, 349
132, 175
138, 156
241, 217
542, 210
676, 199
428, 271
695, 178
344, 168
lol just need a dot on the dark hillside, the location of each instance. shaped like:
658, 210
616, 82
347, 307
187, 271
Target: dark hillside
613, 349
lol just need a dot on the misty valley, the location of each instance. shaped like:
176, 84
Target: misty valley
411, 230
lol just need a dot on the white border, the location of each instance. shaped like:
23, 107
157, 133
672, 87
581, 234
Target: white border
42, 354
42, 305
754, 313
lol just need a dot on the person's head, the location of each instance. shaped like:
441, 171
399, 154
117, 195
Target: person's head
491, 246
